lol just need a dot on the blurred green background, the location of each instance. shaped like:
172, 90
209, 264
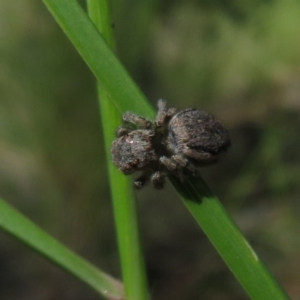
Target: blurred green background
239, 60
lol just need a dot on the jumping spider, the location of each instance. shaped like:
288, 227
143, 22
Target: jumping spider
174, 143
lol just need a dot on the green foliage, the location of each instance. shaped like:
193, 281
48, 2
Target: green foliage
245, 276
21, 228
236, 59
125, 212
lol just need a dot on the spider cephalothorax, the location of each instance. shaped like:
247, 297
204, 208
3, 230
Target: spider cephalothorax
174, 143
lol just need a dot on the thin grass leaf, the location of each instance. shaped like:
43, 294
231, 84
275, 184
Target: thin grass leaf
27, 232
125, 212
228, 240
98, 56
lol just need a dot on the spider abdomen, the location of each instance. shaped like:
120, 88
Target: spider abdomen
196, 135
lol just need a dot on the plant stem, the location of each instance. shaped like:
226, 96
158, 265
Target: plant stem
14, 223
133, 270
228, 240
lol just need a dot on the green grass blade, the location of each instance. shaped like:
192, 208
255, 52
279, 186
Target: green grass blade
251, 273
228, 240
98, 56
133, 270
26, 231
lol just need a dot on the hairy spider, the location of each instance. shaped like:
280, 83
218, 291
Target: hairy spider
174, 143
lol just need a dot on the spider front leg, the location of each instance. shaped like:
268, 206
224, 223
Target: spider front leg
122, 130
141, 122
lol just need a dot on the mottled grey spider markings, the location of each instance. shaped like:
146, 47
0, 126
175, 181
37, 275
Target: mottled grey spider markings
174, 143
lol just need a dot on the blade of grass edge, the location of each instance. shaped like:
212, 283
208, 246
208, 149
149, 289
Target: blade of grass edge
98, 56
228, 240
63, 11
125, 212
17, 225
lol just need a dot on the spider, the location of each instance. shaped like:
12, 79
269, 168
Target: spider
174, 143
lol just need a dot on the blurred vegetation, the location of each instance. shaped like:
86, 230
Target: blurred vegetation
237, 59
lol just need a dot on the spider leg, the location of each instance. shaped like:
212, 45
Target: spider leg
185, 165
168, 163
179, 165
122, 130
158, 180
202, 158
172, 167
171, 112
180, 160
141, 122
163, 114
141, 181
